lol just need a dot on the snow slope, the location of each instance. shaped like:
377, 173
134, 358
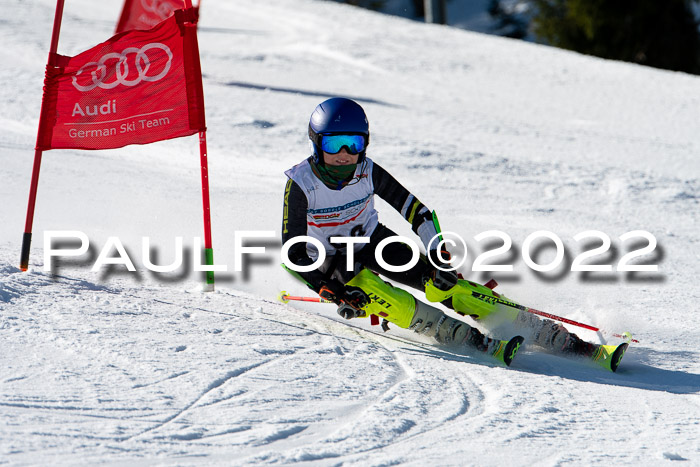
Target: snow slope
112, 367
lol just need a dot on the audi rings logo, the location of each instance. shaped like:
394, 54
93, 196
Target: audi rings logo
99, 74
162, 9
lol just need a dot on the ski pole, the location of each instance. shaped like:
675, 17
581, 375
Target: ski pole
285, 298
492, 299
625, 335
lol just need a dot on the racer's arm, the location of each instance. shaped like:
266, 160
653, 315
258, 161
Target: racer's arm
421, 220
410, 207
293, 225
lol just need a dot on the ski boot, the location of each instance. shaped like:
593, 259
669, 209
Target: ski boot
556, 337
452, 332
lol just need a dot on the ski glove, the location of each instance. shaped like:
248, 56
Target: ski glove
443, 280
332, 290
354, 299
350, 300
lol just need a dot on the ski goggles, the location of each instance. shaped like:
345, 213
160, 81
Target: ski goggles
332, 144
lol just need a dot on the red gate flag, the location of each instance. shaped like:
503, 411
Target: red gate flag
136, 88
144, 14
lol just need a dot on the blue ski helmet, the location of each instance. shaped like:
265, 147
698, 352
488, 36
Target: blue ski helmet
337, 116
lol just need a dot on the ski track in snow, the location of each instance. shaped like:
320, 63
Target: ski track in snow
395, 382
115, 368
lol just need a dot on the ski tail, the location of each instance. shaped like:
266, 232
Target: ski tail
610, 356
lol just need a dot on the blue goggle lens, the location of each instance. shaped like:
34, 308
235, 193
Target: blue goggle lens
332, 144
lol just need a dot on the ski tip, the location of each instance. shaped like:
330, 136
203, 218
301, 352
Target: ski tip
609, 356
510, 349
617, 356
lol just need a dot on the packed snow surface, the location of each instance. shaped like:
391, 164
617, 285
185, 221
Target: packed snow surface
141, 368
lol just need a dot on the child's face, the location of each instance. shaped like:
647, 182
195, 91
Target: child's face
341, 158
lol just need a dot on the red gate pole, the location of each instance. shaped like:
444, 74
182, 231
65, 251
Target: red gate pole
27, 237
208, 251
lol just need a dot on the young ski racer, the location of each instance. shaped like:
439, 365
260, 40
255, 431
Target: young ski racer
331, 194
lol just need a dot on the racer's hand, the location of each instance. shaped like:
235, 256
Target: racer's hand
443, 280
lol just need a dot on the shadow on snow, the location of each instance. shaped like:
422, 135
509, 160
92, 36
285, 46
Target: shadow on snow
262, 87
634, 372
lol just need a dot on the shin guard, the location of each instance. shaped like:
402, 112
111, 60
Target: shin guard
389, 302
470, 298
